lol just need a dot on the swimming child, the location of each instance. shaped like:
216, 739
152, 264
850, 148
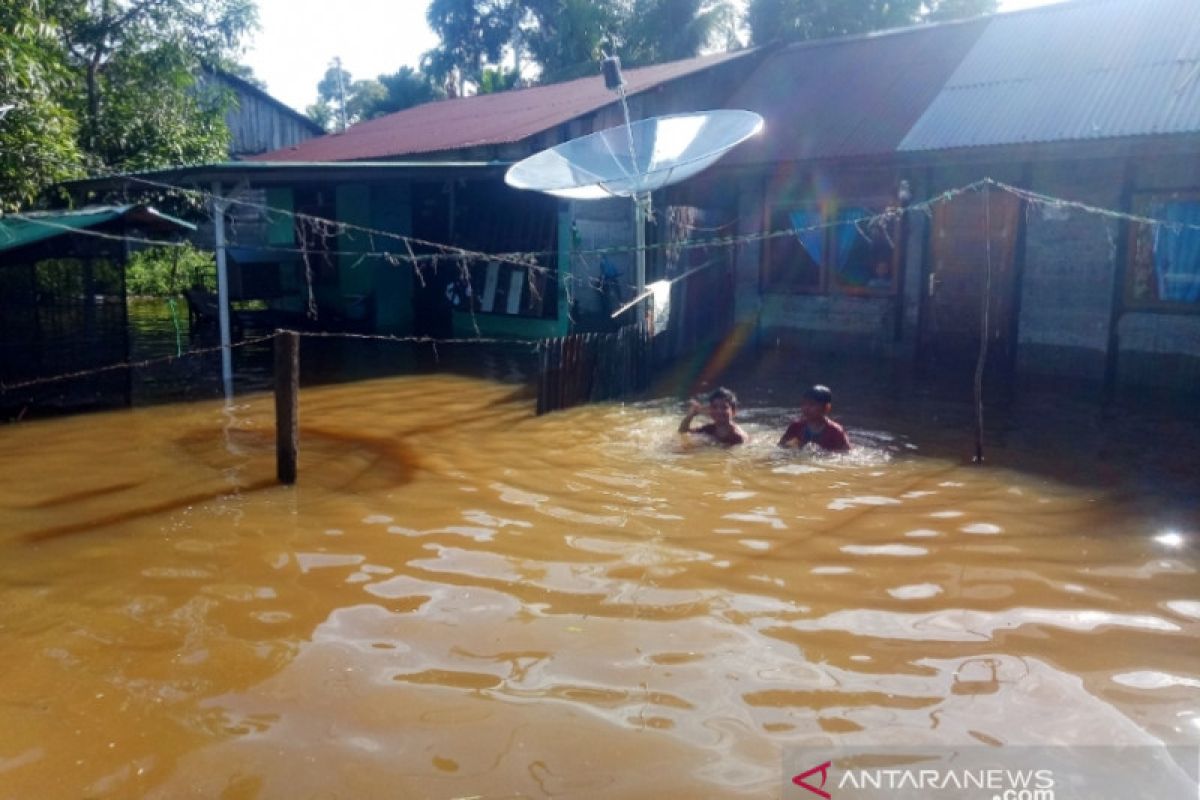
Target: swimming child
722, 407
814, 425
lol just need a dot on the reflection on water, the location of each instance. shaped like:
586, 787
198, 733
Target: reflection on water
460, 599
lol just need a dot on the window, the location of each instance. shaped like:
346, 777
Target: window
1164, 269
856, 257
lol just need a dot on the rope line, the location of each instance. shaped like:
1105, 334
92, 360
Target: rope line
461, 257
149, 362
522, 258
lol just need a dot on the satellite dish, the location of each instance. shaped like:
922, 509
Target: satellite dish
635, 159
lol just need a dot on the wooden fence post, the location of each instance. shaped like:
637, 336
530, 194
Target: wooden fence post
287, 405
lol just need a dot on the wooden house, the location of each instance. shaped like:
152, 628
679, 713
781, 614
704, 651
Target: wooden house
1095, 101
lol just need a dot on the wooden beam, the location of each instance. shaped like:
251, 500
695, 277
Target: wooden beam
287, 405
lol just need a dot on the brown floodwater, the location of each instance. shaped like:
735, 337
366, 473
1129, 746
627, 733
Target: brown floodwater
463, 600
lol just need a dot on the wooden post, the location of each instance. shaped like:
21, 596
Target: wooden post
287, 404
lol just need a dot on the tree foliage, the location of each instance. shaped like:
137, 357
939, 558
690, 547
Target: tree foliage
370, 98
111, 85
167, 271
668, 30
473, 34
37, 131
565, 38
790, 20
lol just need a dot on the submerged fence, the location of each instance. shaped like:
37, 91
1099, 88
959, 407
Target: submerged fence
590, 367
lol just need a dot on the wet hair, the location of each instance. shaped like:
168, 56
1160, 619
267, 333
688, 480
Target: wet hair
724, 394
818, 394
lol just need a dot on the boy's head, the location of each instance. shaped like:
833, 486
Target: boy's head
816, 402
722, 405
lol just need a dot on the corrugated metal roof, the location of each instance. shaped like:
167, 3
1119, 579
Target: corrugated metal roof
852, 96
26, 229
1089, 69
488, 119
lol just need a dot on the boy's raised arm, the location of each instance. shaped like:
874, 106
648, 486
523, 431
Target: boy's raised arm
693, 409
789, 436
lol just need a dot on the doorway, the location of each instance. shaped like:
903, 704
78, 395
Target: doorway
957, 279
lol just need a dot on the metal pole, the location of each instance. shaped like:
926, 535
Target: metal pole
222, 291
641, 205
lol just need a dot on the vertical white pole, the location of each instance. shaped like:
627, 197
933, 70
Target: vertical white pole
641, 204
222, 291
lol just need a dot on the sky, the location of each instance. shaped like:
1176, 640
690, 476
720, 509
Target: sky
298, 38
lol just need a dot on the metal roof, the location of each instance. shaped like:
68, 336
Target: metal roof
1089, 69
26, 229
489, 119
851, 96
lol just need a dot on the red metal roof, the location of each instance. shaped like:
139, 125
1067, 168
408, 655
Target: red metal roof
481, 120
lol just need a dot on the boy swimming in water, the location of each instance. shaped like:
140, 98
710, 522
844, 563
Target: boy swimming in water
722, 407
814, 425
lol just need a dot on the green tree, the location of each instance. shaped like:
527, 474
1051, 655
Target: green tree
37, 131
111, 84
406, 87
167, 271
334, 90
655, 31
568, 36
122, 48
789, 20
473, 34
371, 98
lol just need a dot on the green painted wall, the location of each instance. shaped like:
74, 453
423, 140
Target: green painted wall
501, 326
356, 272
391, 210
281, 232
280, 227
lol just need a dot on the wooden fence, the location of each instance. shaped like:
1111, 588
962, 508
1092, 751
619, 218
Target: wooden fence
590, 367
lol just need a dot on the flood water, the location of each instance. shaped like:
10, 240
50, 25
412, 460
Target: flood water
463, 600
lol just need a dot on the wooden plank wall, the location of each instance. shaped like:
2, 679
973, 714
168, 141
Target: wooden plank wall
593, 367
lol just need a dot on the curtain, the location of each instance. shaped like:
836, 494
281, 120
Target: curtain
853, 249
811, 240
1177, 255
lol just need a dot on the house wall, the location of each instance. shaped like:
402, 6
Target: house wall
1072, 261
825, 320
391, 210
597, 225
258, 126
1162, 349
1066, 271
1069, 270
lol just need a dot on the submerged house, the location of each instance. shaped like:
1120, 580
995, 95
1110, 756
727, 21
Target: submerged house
62, 282
436, 173
1096, 101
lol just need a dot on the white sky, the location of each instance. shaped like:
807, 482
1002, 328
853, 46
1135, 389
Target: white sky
298, 39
